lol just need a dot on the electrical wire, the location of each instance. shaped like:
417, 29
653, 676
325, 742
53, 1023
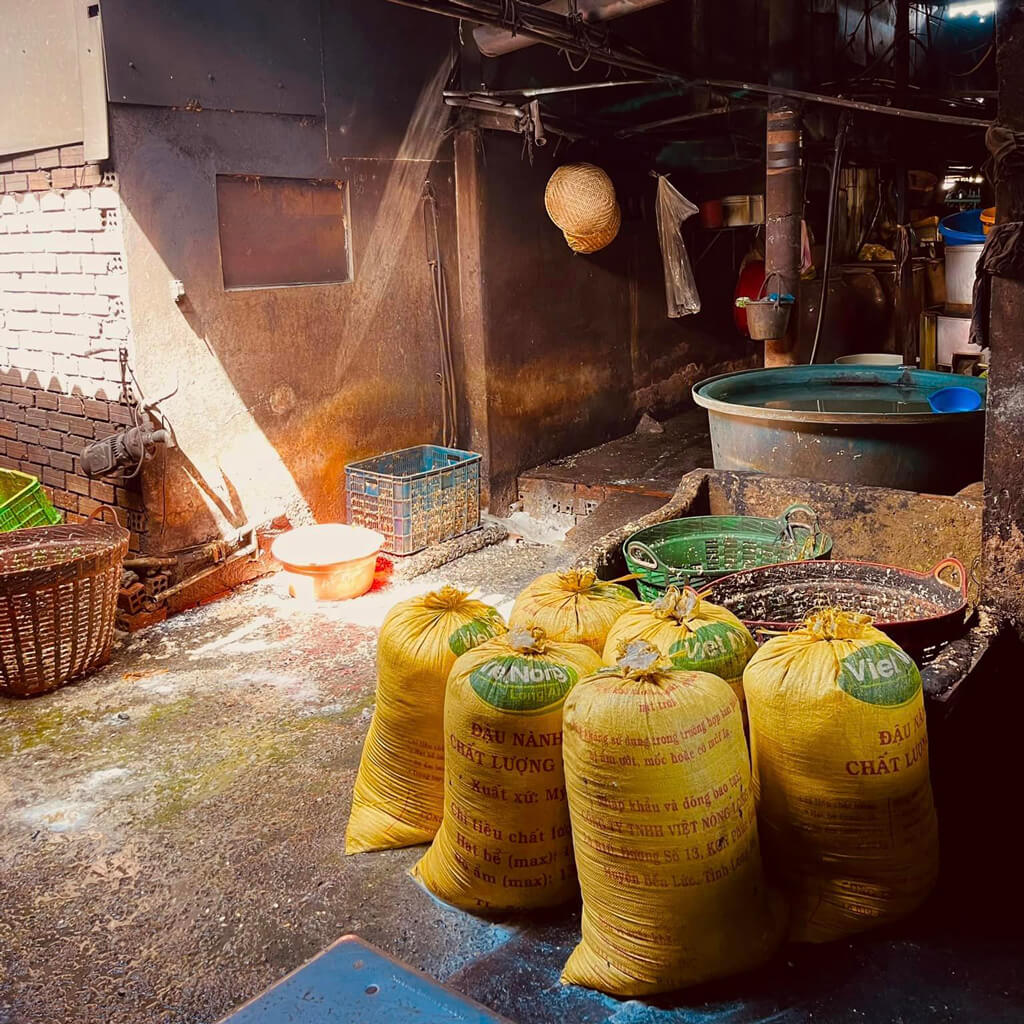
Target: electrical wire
439, 290
985, 57
833, 196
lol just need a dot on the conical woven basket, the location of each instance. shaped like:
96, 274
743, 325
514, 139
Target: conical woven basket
599, 239
580, 199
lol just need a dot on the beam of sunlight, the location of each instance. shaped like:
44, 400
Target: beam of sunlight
399, 210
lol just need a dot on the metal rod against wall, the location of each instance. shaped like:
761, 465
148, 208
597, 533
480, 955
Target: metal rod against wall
668, 122
561, 37
552, 90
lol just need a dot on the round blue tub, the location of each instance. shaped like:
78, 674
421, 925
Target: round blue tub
962, 228
847, 424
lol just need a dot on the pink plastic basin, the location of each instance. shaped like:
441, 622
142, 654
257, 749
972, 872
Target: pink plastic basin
329, 561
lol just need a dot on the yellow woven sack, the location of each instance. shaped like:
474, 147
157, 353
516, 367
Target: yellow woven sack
505, 843
580, 199
665, 830
840, 754
694, 634
399, 790
572, 607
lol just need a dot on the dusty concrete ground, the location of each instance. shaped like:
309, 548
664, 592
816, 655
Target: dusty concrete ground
171, 828
171, 843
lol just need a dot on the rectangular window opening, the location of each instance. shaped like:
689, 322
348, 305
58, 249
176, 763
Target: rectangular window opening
283, 232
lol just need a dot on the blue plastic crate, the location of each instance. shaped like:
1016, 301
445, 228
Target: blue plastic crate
353, 982
415, 497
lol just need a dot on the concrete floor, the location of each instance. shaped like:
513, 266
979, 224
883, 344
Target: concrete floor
171, 843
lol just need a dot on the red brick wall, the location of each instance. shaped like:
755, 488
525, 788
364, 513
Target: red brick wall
63, 321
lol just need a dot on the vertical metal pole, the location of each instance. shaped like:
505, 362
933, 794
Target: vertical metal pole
1003, 522
783, 183
906, 326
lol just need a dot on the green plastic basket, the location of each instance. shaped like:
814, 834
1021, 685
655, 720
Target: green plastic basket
697, 551
23, 502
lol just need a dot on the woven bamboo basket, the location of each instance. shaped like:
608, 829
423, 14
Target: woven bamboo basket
58, 600
599, 239
580, 199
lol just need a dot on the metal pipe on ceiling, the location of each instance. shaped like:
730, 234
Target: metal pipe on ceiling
553, 90
493, 42
561, 37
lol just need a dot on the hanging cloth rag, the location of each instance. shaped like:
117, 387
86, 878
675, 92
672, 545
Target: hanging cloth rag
1003, 255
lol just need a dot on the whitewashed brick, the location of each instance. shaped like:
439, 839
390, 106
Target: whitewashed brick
112, 284
84, 326
23, 302
95, 305
33, 283
88, 220
67, 241
28, 202
77, 199
71, 284
41, 362
105, 198
97, 263
63, 221
69, 263
28, 322
44, 262
35, 341
108, 241
115, 329
45, 302
8, 204
51, 202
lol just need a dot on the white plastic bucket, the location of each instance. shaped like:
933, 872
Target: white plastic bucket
960, 263
952, 336
871, 359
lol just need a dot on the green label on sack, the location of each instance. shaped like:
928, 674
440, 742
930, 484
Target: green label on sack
879, 674
719, 648
520, 683
474, 633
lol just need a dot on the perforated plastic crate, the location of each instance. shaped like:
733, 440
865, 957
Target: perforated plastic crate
23, 502
415, 497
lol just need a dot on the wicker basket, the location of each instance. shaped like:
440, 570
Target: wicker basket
58, 599
580, 199
697, 551
598, 240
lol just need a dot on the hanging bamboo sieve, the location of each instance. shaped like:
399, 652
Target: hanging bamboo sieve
599, 239
580, 199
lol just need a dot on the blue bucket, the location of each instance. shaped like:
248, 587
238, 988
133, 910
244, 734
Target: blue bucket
962, 228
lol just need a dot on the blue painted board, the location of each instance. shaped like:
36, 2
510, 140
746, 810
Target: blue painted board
351, 982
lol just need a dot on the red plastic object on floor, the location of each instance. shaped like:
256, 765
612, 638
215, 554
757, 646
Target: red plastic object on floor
748, 286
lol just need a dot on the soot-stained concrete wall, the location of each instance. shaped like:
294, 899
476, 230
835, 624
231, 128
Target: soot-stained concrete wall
275, 389
578, 346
